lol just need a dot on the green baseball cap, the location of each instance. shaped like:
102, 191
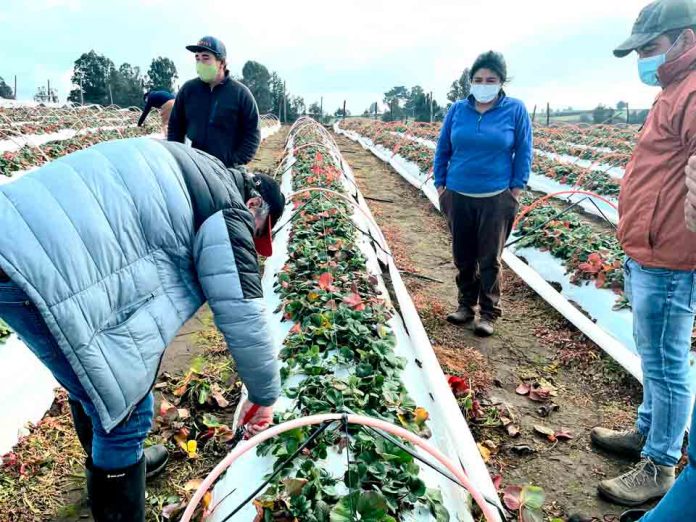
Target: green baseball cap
656, 19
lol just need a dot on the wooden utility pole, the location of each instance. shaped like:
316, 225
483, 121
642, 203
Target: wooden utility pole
628, 114
15, 90
111, 95
321, 108
534, 114
431, 106
548, 114
344, 109
376, 109
285, 102
82, 93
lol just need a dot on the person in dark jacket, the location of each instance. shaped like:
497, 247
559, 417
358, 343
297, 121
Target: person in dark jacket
162, 100
482, 163
218, 114
109, 251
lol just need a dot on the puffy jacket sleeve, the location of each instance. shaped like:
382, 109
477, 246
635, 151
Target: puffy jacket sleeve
228, 271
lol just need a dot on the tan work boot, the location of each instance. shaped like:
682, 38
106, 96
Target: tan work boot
646, 481
629, 443
463, 317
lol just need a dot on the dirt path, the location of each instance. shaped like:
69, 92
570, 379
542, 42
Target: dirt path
532, 342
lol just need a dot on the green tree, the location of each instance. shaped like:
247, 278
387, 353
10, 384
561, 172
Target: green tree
5, 90
395, 98
296, 108
127, 86
258, 79
460, 88
91, 73
339, 113
161, 75
602, 114
418, 105
315, 110
277, 90
621, 105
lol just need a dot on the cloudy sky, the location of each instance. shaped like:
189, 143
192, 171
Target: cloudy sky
558, 51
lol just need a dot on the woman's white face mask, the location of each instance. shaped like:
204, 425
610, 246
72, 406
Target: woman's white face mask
485, 92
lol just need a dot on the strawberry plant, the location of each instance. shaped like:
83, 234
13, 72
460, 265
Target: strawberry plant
339, 355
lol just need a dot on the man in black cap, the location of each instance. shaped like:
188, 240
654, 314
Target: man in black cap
218, 114
661, 265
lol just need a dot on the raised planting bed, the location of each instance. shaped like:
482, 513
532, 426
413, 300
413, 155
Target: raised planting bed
343, 347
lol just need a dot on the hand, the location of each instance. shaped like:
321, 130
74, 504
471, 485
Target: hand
690, 203
441, 191
259, 420
516, 192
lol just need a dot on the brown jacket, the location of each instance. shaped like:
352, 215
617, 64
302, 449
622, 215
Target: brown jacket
652, 228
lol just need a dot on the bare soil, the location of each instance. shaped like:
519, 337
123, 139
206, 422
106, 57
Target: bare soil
532, 342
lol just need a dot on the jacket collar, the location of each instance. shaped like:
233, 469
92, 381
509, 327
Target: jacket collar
676, 70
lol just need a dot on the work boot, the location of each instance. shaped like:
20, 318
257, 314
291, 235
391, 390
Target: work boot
464, 316
156, 457
632, 515
485, 327
644, 482
629, 443
117, 495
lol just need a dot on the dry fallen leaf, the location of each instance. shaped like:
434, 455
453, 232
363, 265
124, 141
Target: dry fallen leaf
485, 452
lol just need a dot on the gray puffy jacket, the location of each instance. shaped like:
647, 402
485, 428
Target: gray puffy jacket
118, 245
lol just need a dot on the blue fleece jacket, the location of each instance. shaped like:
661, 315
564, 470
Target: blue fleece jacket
483, 153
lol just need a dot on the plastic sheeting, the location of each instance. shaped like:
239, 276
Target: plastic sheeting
26, 391
423, 378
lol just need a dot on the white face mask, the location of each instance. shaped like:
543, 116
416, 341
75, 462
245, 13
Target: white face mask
485, 92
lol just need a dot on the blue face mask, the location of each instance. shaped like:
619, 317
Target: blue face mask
647, 67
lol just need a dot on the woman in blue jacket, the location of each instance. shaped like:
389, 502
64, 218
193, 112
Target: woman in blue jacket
482, 163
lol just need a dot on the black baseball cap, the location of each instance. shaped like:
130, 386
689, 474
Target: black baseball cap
271, 194
656, 19
209, 44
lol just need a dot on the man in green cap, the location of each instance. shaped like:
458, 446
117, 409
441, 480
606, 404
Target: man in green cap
660, 270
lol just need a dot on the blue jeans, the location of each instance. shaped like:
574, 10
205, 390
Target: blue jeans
124, 445
679, 503
663, 318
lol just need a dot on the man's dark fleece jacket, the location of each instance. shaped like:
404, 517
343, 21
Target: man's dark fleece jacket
223, 122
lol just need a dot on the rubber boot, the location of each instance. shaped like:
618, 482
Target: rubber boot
156, 457
117, 495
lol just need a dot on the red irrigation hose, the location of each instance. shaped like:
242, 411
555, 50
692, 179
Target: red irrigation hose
488, 511
526, 210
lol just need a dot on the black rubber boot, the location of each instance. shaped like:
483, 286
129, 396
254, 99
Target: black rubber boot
156, 457
117, 495
633, 515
